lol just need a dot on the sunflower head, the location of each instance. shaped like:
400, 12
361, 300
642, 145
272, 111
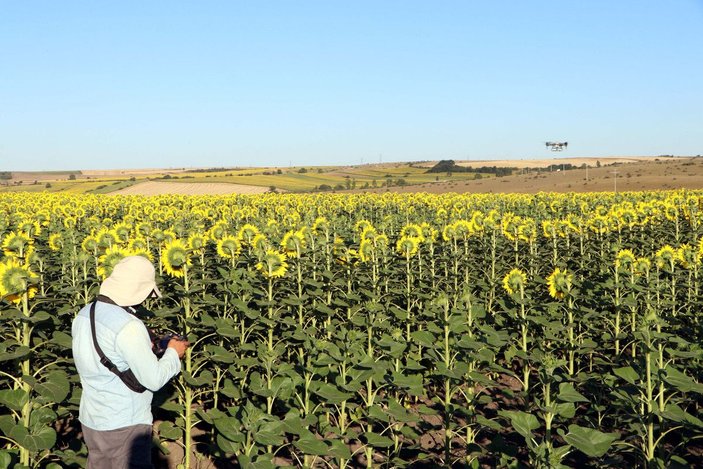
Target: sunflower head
321, 224
273, 264
368, 232
366, 250
197, 242
55, 241
89, 245
407, 246
121, 231
16, 244
665, 257
687, 256
16, 279
109, 259
229, 247
624, 260
175, 258
69, 223
293, 243
219, 230
559, 283
247, 233
31, 228
642, 266
514, 281
106, 238
412, 230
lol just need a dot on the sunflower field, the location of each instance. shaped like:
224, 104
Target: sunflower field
390, 330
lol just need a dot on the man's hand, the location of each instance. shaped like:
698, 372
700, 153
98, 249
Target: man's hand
179, 346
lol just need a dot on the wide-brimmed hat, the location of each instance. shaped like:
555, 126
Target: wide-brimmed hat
132, 280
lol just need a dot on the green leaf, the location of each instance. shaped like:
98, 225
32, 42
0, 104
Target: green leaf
43, 438
61, 339
55, 387
522, 422
590, 441
168, 431
15, 399
19, 352
270, 433
312, 446
5, 459
230, 428
376, 440
332, 394
412, 383
681, 381
339, 450
424, 338
567, 393
627, 373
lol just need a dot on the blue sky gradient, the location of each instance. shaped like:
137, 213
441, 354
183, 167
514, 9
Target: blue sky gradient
90, 85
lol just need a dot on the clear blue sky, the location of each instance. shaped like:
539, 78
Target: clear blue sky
87, 85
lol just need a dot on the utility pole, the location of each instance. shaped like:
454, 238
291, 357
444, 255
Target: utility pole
615, 182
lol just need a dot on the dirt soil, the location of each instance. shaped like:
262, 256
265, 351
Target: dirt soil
189, 188
639, 175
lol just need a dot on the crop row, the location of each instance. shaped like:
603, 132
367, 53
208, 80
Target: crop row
548, 330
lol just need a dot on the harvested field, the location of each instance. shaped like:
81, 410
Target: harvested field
185, 188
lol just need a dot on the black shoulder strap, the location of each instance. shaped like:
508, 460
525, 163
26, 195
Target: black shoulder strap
126, 376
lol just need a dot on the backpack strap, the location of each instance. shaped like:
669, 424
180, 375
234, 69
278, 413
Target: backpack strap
126, 376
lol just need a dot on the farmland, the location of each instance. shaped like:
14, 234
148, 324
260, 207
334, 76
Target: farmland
373, 330
525, 176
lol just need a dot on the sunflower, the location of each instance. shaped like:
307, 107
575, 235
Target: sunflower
55, 242
197, 242
412, 231
144, 252
121, 231
89, 245
362, 224
407, 246
665, 257
175, 258
320, 224
625, 260
273, 264
247, 233
260, 243
514, 281
137, 244
106, 238
642, 265
16, 279
368, 232
219, 230
449, 232
463, 229
69, 223
687, 256
293, 243
109, 259
559, 283
31, 228
16, 244
366, 250
228, 247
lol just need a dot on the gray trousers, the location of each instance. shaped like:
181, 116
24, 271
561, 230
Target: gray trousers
123, 448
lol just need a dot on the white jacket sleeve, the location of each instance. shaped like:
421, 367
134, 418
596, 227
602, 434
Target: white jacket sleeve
133, 344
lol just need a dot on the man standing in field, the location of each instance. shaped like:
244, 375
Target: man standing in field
118, 369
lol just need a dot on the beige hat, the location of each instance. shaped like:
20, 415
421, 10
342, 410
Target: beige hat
131, 281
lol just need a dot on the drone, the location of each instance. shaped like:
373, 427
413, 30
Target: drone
556, 146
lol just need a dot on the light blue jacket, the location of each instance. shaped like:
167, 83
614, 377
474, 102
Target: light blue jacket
106, 402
